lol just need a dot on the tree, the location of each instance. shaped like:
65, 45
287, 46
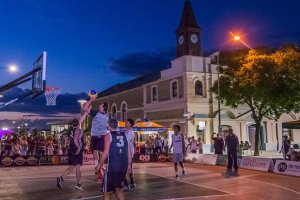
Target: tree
266, 81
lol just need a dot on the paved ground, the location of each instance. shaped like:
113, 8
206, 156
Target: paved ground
154, 181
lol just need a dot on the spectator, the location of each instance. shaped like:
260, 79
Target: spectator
42, 146
16, 148
286, 148
158, 145
50, 147
200, 145
193, 145
64, 145
8, 145
218, 144
24, 146
32, 146
87, 144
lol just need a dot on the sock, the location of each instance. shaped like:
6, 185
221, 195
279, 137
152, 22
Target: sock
96, 163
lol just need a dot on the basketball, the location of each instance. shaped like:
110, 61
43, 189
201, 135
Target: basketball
92, 94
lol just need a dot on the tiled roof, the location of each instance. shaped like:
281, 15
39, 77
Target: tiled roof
130, 84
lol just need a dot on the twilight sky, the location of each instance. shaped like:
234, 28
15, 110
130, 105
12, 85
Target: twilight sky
94, 44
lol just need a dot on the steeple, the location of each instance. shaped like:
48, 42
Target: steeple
188, 33
188, 18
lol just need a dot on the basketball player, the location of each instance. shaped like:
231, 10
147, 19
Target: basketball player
131, 141
98, 130
116, 150
75, 152
178, 149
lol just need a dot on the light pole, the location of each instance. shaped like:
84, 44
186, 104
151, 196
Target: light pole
235, 38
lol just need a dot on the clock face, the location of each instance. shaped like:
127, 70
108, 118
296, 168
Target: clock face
194, 38
180, 40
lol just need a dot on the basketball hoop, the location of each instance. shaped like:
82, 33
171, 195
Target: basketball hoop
51, 93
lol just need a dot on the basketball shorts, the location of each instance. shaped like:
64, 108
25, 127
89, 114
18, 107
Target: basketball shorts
112, 181
177, 157
97, 143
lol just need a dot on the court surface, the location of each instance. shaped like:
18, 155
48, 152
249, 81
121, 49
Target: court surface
154, 181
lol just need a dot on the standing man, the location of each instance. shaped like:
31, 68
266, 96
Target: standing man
116, 150
232, 143
131, 146
178, 149
98, 130
75, 152
218, 144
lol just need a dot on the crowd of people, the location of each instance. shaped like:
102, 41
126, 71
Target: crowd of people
39, 145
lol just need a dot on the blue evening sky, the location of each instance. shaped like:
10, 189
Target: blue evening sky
81, 36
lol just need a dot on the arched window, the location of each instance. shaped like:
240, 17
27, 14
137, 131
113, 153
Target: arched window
124, 112
174, 89
154, 93
198, 88
114, 111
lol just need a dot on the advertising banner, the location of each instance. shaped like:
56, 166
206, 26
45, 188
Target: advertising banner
208, 159
291, 168
53, 160
9, 161
222, 160
256, 163
88, 159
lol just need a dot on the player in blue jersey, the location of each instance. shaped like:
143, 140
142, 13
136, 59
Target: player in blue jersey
116, 153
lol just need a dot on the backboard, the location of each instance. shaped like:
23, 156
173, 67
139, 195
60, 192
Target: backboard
39, 77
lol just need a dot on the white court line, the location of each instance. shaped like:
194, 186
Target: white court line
191, 183
206, 196
92, 197
281, 187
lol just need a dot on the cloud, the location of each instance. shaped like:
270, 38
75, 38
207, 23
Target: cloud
141, 63
65, 103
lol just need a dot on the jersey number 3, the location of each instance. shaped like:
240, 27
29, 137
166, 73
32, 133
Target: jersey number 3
120, 142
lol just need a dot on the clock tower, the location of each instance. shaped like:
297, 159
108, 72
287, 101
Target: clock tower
188, 33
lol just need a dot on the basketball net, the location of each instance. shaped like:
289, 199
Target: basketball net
51, 93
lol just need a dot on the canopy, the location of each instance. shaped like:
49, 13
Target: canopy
291, 124
147, 125
121, 125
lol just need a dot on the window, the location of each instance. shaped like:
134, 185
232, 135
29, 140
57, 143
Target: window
174, 89
114, 111
154, 93
124, 112
198, 88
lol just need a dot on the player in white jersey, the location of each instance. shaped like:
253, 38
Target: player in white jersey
131, 143
178, 149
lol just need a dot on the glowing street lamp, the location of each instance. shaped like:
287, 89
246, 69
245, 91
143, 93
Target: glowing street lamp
235, 38
13, 68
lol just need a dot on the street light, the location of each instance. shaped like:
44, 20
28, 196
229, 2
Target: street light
11, 68
235, 38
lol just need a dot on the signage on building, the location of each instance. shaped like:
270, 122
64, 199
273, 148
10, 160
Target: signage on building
287, 167
260, 164
201, 125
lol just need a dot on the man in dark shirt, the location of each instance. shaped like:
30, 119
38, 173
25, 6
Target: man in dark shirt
218, 144
232, 142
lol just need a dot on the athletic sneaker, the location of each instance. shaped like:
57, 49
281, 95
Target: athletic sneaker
125, 187
132, 185
59, 182
177, 177
79, 186
235, 173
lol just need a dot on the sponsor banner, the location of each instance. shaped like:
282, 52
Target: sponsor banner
222, 160
208, 159
53, 160
256, 163
291, 168
8, 161
152, 157
88, 159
